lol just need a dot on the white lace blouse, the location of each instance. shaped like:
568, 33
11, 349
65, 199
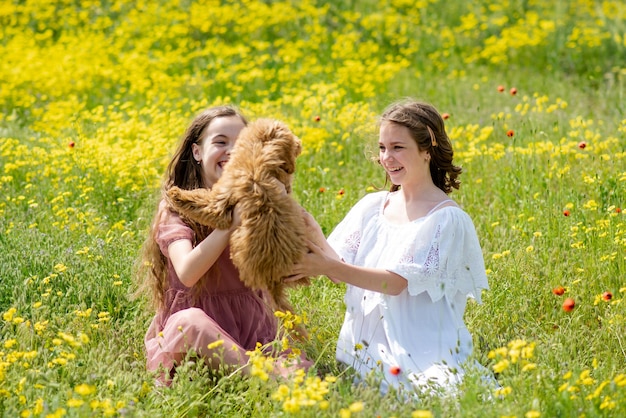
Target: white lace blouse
418, 336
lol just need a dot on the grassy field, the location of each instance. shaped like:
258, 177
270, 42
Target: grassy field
94, 96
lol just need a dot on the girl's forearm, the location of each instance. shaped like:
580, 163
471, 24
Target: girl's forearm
190, 263
377, 280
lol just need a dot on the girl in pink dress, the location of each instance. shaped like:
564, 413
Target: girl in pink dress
202, 305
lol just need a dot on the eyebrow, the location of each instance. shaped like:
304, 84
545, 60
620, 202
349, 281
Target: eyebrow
218, 135
392, 143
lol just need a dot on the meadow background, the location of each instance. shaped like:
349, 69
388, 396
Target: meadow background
95, 94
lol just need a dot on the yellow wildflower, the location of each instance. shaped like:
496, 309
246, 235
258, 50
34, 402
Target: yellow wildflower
8, 315
356, 407
10, 343
501, 366
75, 403
215, 344
84, 389
503, 391
422, 413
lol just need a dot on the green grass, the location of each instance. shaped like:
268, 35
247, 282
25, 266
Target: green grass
121, 80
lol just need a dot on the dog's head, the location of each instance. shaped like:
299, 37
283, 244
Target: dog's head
274, 146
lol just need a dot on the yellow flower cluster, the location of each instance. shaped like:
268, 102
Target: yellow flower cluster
303, 391
290, 320
607, 394
261, 365
516, 352
354, 408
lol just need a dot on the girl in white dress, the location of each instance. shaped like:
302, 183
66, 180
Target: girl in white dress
410, 258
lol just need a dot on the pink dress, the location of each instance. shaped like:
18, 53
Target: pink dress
225, 309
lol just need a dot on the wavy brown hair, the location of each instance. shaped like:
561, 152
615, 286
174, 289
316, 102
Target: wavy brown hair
427, 129
184, 172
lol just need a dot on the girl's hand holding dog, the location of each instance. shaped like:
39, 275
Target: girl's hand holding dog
320, 255
314, 263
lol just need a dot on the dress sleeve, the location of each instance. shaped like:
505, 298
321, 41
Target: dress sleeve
445, 259
346, 237
171, 228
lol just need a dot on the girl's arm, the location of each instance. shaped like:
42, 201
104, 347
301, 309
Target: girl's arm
377, 280
191, 263
324, 261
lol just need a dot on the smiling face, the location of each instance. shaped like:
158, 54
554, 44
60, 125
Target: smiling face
214, 146
400, 156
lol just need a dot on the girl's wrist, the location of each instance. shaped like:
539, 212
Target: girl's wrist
222, 234
334, 268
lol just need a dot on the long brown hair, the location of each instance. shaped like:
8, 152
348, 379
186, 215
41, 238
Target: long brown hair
184, 172
427, 129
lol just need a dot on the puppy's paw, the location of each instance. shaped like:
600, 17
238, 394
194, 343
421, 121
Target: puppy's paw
175, 197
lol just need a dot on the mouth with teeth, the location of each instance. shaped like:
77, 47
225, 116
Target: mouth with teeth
392, 170
221, 164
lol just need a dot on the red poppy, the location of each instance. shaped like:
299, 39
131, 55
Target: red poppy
322, 189
607, 296
500, 89
510, 133
582, 145
341, 192
394, 370
513, 91
566, 212
445, 116
569, 304
618, 210
559, 290
317, 118
71, 144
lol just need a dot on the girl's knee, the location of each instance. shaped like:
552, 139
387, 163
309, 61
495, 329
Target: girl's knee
190, 315
191, 321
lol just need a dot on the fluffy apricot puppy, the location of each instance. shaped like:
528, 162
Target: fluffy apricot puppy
257, 178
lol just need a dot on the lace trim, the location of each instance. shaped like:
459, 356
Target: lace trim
352, 242
428, 276
431, 265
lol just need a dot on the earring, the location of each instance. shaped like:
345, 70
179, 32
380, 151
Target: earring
198, 162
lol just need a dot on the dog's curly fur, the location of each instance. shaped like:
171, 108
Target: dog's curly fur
271, 237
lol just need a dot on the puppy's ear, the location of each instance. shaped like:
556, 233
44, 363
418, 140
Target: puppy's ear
297, 147
292, 148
